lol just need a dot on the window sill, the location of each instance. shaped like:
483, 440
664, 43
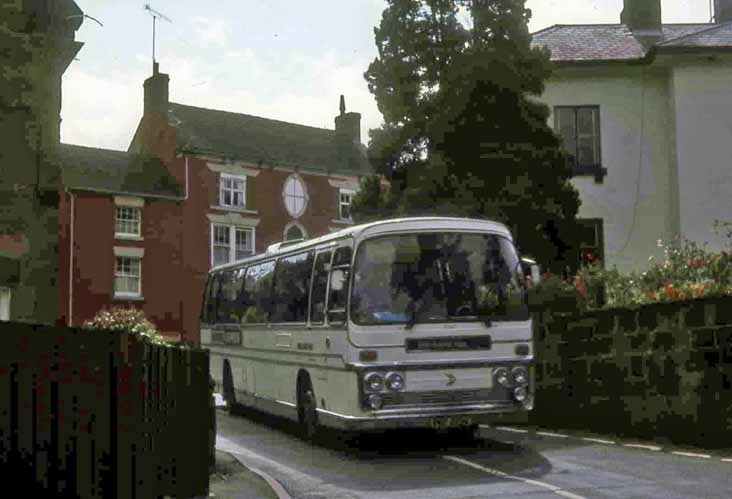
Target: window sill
233, 209
128, 237
342, 221
590, 170
117, 297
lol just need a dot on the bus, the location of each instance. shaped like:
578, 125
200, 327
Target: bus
404, 323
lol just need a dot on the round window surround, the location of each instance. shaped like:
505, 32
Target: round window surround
295, 195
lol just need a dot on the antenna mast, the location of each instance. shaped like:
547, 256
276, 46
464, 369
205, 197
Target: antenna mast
155, 14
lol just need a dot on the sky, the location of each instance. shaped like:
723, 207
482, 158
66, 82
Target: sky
288, 60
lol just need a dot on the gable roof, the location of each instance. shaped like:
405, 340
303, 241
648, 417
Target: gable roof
119, 172
616, 42
264, 141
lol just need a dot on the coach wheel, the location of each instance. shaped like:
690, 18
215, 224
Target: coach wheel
306, 409
228, 388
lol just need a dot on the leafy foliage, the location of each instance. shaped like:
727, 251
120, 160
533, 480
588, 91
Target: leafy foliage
687, 271
125, 319
462, 136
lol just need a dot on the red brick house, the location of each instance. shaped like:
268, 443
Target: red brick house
226, 185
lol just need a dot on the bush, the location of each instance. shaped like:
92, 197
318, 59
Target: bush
126, 319
687, 271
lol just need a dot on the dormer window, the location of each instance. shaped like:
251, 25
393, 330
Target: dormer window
232, 191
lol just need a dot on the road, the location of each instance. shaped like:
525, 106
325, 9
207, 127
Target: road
499, 463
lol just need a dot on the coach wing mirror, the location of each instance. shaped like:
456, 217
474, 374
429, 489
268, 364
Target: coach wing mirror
337, 280
531, 269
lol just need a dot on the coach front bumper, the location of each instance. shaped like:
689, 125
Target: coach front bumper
422, 417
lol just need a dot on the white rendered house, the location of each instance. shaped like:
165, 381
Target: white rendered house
646, 110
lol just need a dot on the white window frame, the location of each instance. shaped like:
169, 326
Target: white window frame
232, 241
305, 197
122, 235
127, 294
227, 176
349, 192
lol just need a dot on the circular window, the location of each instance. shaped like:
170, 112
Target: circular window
295, 196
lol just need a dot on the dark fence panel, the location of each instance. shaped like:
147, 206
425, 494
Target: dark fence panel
102, 414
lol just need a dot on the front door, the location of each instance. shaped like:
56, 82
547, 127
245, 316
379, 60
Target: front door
4, 304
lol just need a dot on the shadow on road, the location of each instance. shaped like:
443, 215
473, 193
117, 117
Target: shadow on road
416, 452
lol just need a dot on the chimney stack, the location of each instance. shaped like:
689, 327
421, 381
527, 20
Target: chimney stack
642, 15
722, 11
156, 92
348, 125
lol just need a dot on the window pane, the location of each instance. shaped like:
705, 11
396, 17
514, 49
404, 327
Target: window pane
586, 120
565, 126
257, 293
127, 220
337, 298
587, 151
243, 243
228, 311
292, 284
293, 232
127, 275
320, 285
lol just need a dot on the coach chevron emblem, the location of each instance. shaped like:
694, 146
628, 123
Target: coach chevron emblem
450, 379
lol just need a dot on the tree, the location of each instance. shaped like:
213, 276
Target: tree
454, 80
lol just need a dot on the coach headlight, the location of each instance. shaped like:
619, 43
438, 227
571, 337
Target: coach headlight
375, 401
374, 382
520, 375
520, 393
394, 382
502, 376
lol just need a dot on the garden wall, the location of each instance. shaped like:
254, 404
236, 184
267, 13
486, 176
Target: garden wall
657, 370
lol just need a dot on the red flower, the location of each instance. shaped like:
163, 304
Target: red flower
589, 257
649, 294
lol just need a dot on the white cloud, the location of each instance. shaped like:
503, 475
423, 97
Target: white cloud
101, 111
212, 31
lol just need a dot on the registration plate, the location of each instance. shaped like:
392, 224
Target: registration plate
450, 422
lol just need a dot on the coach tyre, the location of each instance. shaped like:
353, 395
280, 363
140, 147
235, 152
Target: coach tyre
307, 412
228, 388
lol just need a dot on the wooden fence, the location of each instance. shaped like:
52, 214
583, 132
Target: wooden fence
102, 414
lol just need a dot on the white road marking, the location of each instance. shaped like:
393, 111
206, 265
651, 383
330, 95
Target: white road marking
598, 441
548, 434
544, 485
506, 428
727, 460
641, 446
691, 454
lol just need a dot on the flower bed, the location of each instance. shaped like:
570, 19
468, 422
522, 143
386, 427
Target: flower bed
686, 272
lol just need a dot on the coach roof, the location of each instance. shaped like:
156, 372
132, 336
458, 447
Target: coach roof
382, 226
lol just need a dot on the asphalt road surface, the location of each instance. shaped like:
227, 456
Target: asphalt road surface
500, 463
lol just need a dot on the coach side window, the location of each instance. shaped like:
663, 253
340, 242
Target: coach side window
320, 287
258, 293
338, 295
230, 285
292, 282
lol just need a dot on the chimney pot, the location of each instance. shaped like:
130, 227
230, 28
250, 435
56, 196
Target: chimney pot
642, 15
156, 92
